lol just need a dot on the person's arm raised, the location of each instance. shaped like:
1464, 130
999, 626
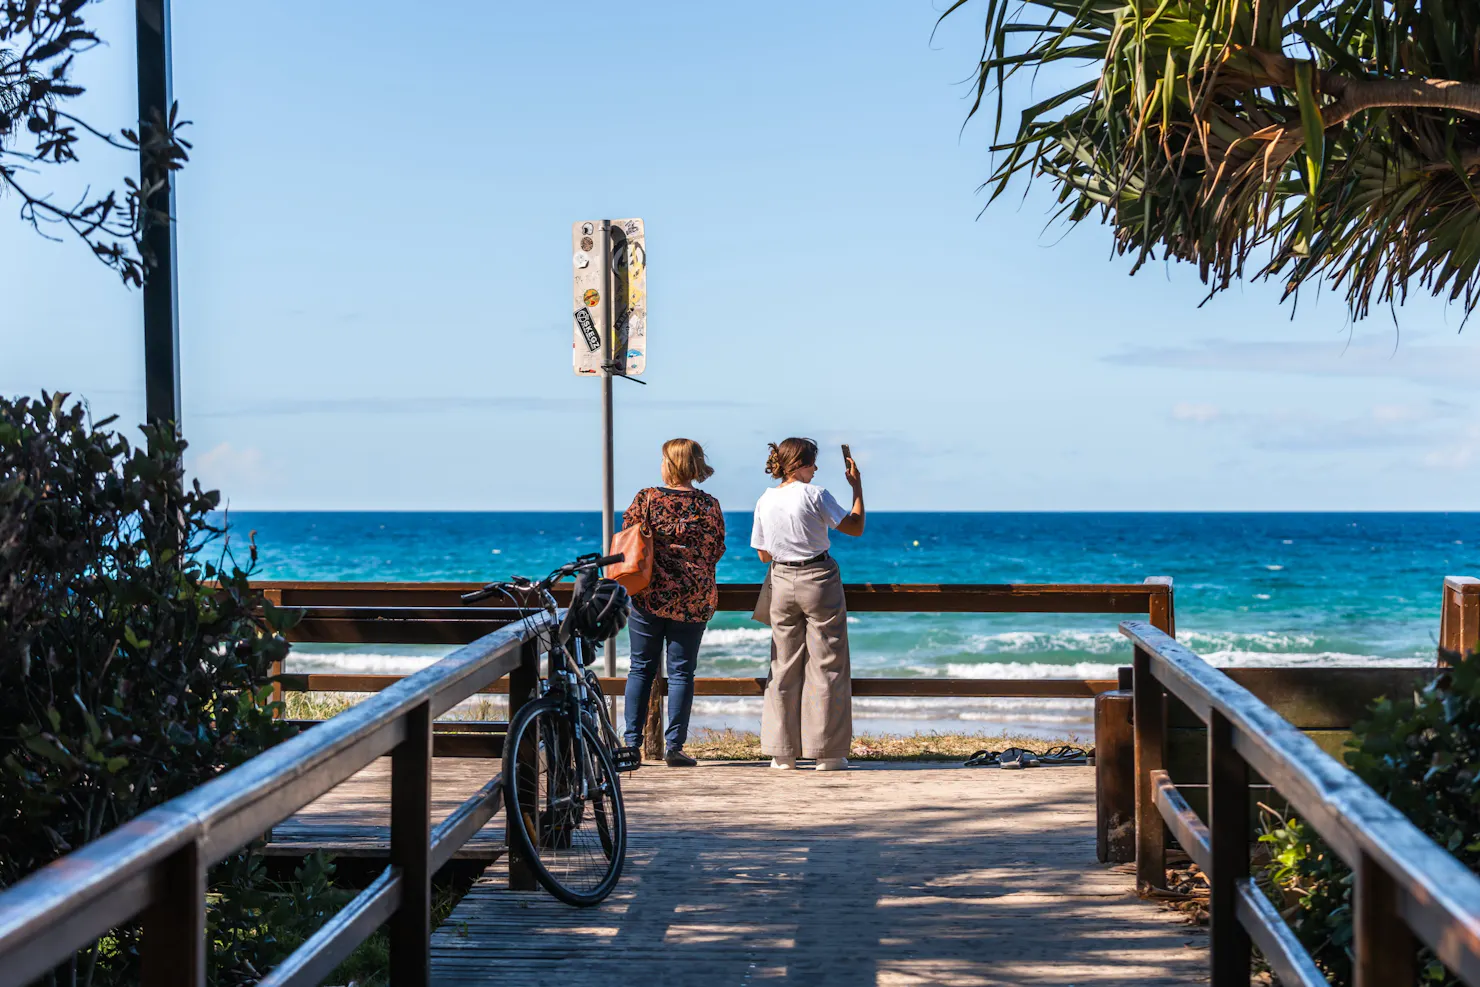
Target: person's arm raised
853, 523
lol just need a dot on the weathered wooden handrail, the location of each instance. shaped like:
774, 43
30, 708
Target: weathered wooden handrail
155, 865
1408, 888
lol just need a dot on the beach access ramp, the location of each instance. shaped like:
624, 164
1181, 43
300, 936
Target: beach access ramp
889, 873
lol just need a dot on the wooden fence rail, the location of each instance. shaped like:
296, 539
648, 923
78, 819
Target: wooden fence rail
1408, 889
431, 613
154, 867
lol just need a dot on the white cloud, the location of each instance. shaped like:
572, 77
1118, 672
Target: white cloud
1381, 356
1455, 452
1200, 413
226, 468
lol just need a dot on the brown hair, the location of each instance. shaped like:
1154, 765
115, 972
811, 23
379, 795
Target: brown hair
791, 455
683, 462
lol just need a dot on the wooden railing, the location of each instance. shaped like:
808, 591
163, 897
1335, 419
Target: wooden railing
1407, 890
430, 613
154, 867
1459, 619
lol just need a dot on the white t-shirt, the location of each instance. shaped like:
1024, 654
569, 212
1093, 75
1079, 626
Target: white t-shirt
791, 521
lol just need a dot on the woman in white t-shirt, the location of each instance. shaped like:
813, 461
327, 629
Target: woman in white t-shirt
809, 696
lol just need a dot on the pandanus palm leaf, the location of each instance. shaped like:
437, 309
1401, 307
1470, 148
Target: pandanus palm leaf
1334, 140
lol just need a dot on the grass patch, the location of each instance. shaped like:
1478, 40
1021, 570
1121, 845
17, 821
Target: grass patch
323, 705
744, 745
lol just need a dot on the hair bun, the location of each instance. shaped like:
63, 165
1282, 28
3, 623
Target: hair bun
773, 461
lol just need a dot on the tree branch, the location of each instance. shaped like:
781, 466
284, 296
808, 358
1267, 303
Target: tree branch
1353, 95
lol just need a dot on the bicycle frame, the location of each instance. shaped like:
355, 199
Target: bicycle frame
563, 676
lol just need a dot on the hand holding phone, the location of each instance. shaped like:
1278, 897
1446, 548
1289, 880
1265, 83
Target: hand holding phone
850, 468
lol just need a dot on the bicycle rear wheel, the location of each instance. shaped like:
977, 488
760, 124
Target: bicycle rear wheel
566, 820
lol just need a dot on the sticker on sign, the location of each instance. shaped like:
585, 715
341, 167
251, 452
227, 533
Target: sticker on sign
587, 329
609, 295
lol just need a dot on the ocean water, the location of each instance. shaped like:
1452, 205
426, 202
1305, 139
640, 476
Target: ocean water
1251, 589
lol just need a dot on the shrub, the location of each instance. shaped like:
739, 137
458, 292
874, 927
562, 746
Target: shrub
1422, 754
135, 664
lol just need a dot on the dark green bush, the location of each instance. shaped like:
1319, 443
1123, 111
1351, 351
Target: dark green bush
1422, 754
135, 663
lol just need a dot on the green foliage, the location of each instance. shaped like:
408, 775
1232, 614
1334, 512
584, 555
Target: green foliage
39, 132
1339, 138
1422, 754
133, 668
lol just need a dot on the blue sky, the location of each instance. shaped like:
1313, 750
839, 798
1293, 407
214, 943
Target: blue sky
375, 279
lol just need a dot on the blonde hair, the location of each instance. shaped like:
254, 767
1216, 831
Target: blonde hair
791, 455
683, 462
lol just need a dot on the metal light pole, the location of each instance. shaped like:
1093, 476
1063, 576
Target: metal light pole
161, 302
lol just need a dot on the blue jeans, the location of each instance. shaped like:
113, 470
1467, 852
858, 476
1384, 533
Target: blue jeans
648, 634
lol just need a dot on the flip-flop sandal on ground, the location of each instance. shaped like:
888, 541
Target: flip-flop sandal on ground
1012, 759
1065, 754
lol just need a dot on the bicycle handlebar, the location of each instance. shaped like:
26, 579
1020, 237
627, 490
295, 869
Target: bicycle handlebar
585, 562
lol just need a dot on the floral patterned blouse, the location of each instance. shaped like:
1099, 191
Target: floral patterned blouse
688, 539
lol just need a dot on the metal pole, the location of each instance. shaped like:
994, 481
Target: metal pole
161, 303
608, 495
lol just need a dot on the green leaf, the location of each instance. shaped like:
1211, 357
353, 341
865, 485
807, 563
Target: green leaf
46, 748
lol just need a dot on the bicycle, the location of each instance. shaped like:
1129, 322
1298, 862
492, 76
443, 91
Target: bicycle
562, 756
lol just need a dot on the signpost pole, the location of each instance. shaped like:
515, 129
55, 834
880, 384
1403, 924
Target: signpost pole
608, 484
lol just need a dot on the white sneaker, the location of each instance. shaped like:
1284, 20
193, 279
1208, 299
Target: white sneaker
832, 764
784, 763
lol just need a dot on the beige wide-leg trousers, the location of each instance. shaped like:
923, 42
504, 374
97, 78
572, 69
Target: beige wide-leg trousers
809, 696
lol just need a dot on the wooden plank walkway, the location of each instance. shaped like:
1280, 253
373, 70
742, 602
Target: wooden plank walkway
886, 874
354, 819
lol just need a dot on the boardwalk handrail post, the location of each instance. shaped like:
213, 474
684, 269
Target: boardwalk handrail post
1228, 826
1383, 947
173, 950
1115, 777
652, 728
1459, 617
410, 927
1162, 613
523, 685
1149, 716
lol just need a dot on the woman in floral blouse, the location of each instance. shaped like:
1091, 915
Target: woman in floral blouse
688, 531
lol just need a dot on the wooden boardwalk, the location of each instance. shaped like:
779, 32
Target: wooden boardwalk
354, 819
898, 874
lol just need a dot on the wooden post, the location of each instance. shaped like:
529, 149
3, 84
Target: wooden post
523, 684
1459, 616
410, 926
1161, 614
652, 728
174, 946
1115, 778
1228, 826
1386, 953
1150, 739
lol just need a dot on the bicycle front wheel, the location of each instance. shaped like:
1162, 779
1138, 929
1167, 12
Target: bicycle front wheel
563, 804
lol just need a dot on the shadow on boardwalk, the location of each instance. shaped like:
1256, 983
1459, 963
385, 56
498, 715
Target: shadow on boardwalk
887, 874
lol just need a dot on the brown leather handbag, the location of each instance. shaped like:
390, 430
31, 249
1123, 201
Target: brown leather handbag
635, 542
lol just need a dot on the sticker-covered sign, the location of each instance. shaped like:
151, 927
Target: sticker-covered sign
624, 289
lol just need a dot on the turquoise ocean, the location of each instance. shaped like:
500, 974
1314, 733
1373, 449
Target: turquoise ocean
1251, 589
